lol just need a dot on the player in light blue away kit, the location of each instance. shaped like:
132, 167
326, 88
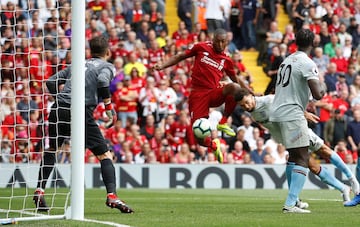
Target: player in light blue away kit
259, 108
297, 77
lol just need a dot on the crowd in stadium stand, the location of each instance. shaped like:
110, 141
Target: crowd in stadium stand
153, 120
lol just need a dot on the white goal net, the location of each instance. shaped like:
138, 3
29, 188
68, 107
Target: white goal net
35, 43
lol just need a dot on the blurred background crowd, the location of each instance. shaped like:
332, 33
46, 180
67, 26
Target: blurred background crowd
153, 120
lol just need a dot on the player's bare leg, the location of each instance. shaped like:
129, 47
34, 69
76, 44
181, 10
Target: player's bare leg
228, 91
327, 153
328, 178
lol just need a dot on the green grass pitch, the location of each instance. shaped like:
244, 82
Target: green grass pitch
208, 207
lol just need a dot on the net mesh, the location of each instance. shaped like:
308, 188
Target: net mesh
35, 42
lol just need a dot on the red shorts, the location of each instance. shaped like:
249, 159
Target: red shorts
201, 100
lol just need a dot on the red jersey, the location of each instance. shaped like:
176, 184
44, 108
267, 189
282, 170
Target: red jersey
182, 132
113, 134
334, 28
122, 105
155, 56
155, 146
176, 35
343, 155
240, 66
137, 15
315, 28
119, 52
179, 131
35, 135
182, 43
324, 114
138, 83
342, 64
238, 157
341, 104
96, 6
136, 145
113, 42
209, 66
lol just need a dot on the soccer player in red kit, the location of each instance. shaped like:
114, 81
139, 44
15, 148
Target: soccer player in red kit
210, 65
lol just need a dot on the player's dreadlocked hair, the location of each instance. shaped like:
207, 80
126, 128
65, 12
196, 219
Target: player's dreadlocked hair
99, 46
240, 94
304, 38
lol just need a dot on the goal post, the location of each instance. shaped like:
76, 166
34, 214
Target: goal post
16, 192
78, 110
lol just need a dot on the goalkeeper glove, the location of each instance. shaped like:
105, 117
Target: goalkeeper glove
110, 112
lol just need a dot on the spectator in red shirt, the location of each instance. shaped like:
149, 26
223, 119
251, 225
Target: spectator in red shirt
177, 34
137, 81
183, 42
238, 153
96, 5
118, 15
135, 15
334, 27
342, 151
341, 62
119, 51
166, 153
21, 149
156, 54
341, 102
115, 132
181, 132
153, 11
148, 130
325, 106
35, 128
155, 142
135, 139
125, 99
12, 121
8, 15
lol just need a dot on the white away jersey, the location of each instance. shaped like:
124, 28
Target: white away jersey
292, 91
262, 109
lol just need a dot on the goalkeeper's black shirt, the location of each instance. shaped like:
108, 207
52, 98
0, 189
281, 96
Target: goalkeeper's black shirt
98, 74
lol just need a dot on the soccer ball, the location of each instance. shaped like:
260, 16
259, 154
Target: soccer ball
201, 128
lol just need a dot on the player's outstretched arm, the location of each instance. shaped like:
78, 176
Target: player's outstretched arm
172, 61
242, 83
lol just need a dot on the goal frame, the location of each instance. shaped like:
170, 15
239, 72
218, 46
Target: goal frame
77, 109
76, 209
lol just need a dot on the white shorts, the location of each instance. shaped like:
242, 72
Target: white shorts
315, 141
291, 134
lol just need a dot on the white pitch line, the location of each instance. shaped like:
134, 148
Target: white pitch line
105, 223
315, 199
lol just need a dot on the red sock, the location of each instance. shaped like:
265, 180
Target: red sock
208, 142
223, 120
111, 195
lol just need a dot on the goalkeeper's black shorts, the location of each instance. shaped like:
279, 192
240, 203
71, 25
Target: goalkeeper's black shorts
60, 129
